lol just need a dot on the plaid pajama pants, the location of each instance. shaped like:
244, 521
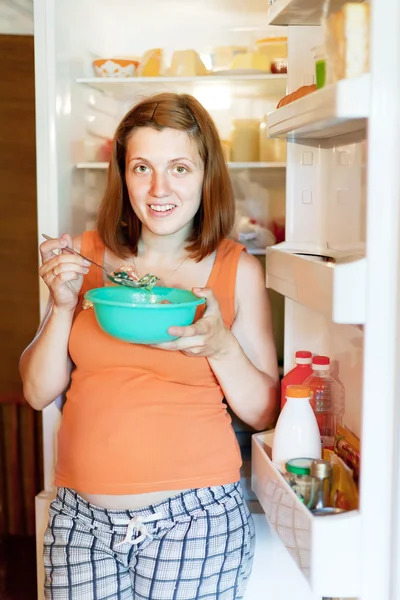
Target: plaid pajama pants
196, 545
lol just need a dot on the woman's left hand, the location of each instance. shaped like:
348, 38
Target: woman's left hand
207, 337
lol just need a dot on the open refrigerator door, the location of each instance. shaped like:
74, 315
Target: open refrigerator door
336, 270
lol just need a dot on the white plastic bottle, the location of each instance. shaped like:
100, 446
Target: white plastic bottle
296, 432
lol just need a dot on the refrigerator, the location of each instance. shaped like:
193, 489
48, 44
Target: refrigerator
339, 190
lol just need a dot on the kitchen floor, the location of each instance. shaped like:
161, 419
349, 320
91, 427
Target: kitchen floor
18, 568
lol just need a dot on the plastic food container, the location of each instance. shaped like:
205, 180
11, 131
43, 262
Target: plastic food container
138, 316
115, 67
274, 48
271, 149
245, 143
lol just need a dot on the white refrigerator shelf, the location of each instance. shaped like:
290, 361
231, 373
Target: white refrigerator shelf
298, 12
338, 109
254, 83
326, 549
334, 289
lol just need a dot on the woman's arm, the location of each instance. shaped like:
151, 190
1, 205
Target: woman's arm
45, 366
247, 367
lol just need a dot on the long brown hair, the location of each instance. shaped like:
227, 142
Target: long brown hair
118, 225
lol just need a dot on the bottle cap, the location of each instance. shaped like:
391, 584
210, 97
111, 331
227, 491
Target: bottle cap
299, 466
320, 363
321, 468
298, 391
303, 357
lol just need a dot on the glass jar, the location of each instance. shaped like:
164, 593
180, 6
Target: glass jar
320, 66
245, 142
306, 487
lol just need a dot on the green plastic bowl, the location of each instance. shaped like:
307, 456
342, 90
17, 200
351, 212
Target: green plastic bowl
136, 316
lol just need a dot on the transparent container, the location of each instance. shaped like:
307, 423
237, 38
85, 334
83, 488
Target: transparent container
271, 149
320, 66
245, 142
327, 399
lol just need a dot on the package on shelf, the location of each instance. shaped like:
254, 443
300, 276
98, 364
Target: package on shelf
273, 49
347, 34
344, 493
223, 56
151, 63
252, 60
186, 63
347, 447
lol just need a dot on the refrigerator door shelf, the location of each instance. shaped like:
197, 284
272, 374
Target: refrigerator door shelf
307, 274
326, 549
338, 109
298, 12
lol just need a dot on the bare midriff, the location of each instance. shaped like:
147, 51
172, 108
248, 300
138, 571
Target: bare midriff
128, 501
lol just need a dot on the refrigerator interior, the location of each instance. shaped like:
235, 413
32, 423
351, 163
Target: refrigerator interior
84, 111
322, 190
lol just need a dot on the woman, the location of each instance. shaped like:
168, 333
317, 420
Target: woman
149, 504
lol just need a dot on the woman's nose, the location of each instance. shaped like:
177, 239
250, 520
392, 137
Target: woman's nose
160, 185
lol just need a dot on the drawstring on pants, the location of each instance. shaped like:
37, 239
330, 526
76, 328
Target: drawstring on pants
138, 524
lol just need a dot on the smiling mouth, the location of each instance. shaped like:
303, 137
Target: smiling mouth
162, 207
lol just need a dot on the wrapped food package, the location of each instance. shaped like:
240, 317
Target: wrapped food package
347, 38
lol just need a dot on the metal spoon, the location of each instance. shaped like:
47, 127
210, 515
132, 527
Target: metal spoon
147, 282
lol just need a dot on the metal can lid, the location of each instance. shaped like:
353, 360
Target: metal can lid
299, 466
321, 468
326, 511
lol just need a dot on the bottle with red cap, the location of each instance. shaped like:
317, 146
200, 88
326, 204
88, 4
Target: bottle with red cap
298, 374
327, 399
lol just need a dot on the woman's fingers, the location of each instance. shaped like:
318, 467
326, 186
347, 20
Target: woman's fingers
49, 247
65, 262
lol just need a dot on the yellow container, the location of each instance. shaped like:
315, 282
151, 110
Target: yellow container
271, 149
245, 140
273, 47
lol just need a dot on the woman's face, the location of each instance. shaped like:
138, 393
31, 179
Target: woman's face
164, 176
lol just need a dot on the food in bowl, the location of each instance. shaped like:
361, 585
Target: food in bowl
141, 317
126, 272
115, 67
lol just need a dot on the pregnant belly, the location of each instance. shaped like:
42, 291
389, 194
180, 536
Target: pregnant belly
127, 501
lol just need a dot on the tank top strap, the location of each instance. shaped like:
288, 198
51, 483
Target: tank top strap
92, 247
223, 277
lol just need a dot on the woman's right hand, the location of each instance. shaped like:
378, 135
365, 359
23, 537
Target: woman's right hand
62, 273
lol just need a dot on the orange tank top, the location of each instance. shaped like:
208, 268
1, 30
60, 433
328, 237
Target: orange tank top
139, 419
